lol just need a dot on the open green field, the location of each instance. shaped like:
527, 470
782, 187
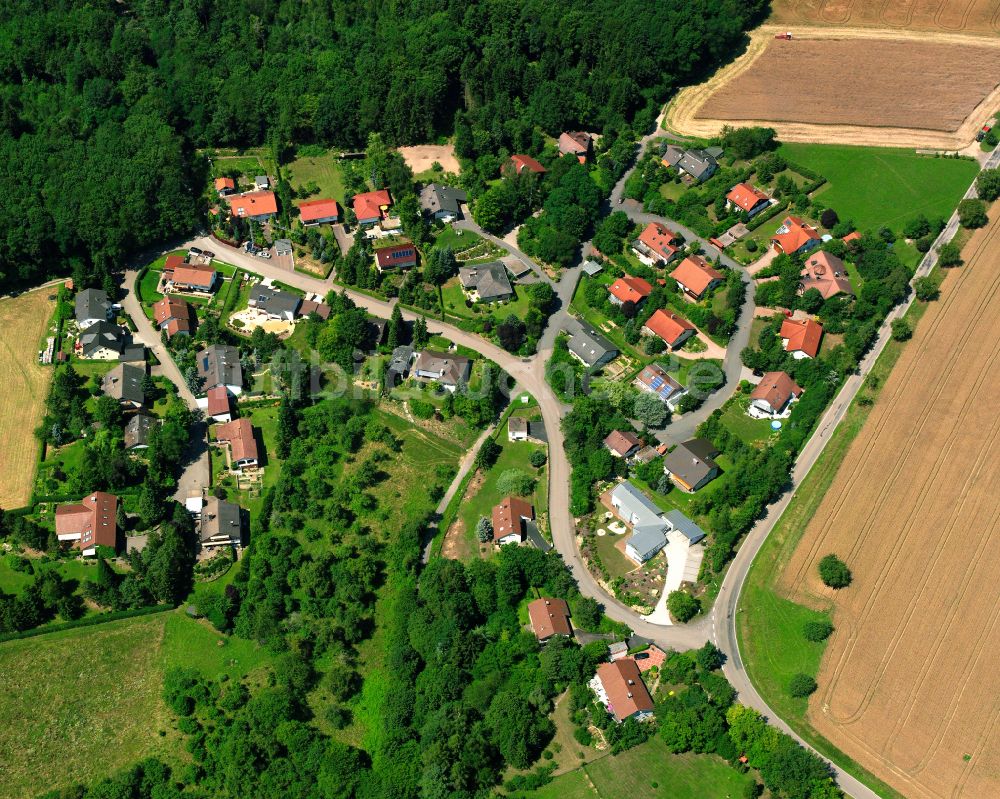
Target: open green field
877, 186
323, 170
648, 770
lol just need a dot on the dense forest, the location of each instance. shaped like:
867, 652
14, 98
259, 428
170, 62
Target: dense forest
104, 104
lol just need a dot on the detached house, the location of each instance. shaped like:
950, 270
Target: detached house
102, 341
521, 162
219, 365
773, 396
223, 524
191, 278
509, 519
243, 450
225, 186
801, 337
447, 369
622, 444
372, 207
700, 165
657, 244
619, 687
91, 307
655, 380
318, 212
576, 143
670, 327
124, 383
259, 206
549, 617
275, 303
395, 256
651, 527
696, 276
826, 273
90, 524
587, 345
442, 202
629, 289
794, 236
690, 465
137, 431
746, 198
486, 282
173, 315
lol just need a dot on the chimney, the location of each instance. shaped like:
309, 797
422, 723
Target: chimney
631, 682
629, 694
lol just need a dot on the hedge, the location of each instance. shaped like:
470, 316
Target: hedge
86, 621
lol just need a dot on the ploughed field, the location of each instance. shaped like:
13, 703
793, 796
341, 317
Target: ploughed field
872, 82
909, 686
974, 16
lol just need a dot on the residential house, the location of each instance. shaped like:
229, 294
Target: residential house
447, 369
629, 289
649, 530
90, 524
192, 278
243, 450
517, 428
220, 407
170, 263
219, 365
92, 306
521, 162
619, 687
102, 341
690, 465
591, 268
696, 276
618, 650
826, 273
486, 282
318, 212
622, 444
372, 207
223, 524
442, 202
794, 236
124, 383
700, 165
275, 303
309, 307
670, 327
746, 198
576, 143
549, 617
137, 431
262, 182
801, 337
657, 244
399, 366
225, 186
854, 235
282, 247
174, 315
259, 206
678, 523
587, 345
509, 518
395, 256
773, 396
654, 379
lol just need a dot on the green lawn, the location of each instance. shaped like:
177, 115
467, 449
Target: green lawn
612, 558
635, 773
736, 420
454, 303
878, 186
457, 239
324, 171
195, 644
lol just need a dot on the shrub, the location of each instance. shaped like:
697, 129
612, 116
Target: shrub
421, 409
515, 481
834, 572
751, 245
828, 218
537, 459
817, 630
901, 330
582, 736
972, 213
926, 289
801, 685
949, 255
682, 606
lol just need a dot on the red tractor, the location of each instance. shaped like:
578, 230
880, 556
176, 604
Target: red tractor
983, 131
785, 35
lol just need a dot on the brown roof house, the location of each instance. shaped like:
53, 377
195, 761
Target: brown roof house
549, 617
173, 315
773, 396
576, 143
690, 465
620, 688
223, 524
90, 524
509, 518
124, 383
219, 406
239, 435
447, 369
193, 278
623, 444
696, 276
826, 273
137, 431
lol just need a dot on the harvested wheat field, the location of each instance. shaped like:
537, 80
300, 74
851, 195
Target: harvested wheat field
879, 83
23, 322
851, 86
976, 16
909, 686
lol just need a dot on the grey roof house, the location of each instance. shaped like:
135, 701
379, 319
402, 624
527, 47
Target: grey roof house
488, 282
690, 464
124, 383
92, 306
447, 369
699, 164
649, 529
678, 521
137, 431
587, 345
276, 303
223, 524
219, 365
399, 366
102, 341
442, 202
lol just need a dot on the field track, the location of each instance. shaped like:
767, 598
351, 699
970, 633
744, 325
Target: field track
876, 119
971, 16
22, 327
908, 685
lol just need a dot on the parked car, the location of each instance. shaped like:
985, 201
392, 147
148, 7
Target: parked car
194, 251
263, 254
208, 254
641, 655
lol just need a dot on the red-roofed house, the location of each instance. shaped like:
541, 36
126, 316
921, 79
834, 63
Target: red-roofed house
773, 396
219, 407
620, 688
256, 205
575, 143
673, 329
225, 186
746, 198
794, 236
508, 520
172, 262
549, 617
522, 162
622, 445
657, 244
826, 273
801, 337
852, 236
371, 207
318, 212
396, 256
243, 450
696, 276
173, 315
195, 278
629, 289
90, 524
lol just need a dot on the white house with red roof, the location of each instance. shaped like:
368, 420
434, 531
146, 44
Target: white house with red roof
519, 162
629, 289
794, 236
259, 206
657, 244
372, 207
747, 198
773, 396
801, 337
319, 212
89, 524
696, 276
669, 326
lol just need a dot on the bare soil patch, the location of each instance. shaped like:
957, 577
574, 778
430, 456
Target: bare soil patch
880, 83
421, 157
979, 16
908, 684
23, 323
456, 544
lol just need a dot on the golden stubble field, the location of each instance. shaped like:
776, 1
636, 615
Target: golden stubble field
23, 321
974, 16
909, 685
